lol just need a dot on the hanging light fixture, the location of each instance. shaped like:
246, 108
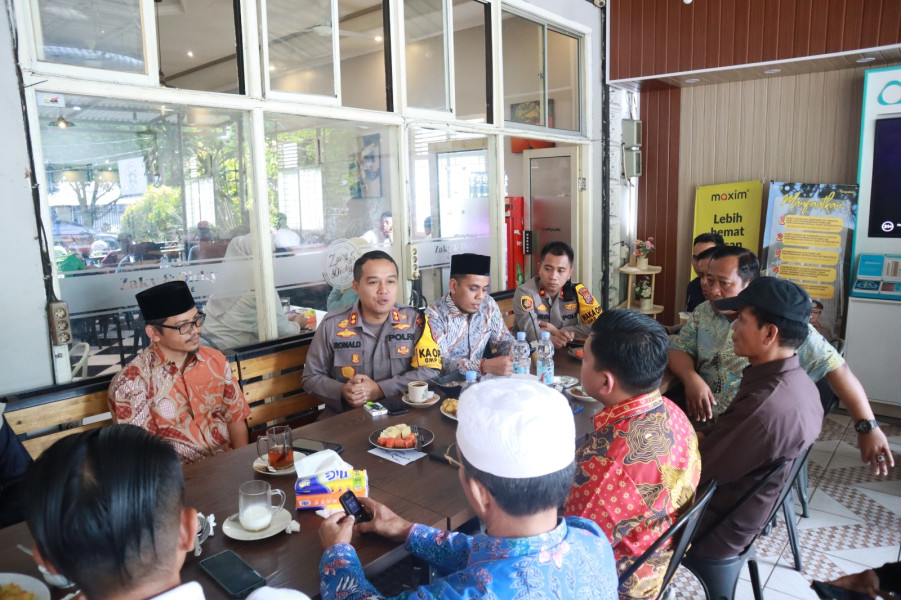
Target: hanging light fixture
62, 123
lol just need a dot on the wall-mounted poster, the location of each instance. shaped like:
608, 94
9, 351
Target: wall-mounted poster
366, 168
731, 210
809, 227
530, 114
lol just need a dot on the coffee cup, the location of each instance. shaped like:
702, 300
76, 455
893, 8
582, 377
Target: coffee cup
279, 451
417, 390
255, 509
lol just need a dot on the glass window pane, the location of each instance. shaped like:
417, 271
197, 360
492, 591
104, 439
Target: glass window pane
104, 34
329, 182
141, 193
563, 81
523, 70
449, 202
470, 87
362, 43
426, 63
300, 47
188, 61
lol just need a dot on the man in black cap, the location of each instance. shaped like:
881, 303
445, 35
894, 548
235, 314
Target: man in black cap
776, 413
467, 318
176, 388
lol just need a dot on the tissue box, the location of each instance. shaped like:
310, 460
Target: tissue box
324, 489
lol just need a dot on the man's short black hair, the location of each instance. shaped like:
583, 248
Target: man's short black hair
707, 253
371, 255
526, 496
817, 304
104, 507
387, 213
559, 249
748, 265
791, 333
709, 238
632, 346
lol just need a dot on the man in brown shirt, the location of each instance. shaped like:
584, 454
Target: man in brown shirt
776, 413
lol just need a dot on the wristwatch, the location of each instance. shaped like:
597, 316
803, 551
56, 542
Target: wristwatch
866, 425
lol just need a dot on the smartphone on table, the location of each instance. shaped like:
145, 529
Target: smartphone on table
353, 507
827, 591
234, 575
308, 446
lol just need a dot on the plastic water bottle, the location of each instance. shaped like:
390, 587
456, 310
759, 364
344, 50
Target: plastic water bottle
472, 377
521, 351
546, 359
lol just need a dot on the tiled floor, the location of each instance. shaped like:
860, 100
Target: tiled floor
854, 523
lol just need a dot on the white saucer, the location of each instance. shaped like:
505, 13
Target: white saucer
447, 414
29, 584
232, 527
432, 399
261, 465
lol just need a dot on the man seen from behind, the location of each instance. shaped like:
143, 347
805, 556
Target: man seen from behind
640, 466
514, 482
107, 510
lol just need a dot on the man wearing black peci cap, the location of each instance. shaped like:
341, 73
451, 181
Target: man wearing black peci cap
776, 413
176, 388
467, 318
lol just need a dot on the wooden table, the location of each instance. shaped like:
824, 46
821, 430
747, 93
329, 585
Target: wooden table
425, 491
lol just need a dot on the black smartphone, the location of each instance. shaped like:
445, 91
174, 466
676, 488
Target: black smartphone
395, 407
353, 507
307, 446
827, 591
234, 575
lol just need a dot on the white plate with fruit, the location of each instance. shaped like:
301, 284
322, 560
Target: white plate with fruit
400, 437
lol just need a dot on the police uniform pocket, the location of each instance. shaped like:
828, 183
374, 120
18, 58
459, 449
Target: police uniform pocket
347, 363
401, 349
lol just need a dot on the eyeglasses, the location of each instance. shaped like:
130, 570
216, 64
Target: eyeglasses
186, 328
450, 455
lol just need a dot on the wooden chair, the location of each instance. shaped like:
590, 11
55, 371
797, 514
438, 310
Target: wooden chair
506, 306
271, 379
40, 417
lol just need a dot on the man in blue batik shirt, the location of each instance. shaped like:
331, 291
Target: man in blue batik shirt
514, 485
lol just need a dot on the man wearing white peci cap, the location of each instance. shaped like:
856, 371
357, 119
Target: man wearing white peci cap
514, 484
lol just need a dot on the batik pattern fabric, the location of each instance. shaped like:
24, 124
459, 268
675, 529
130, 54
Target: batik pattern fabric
707, 338
572, 561
635, 475
463, 338
191, 409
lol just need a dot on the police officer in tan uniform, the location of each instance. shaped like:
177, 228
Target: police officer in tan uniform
551, 302
373, 348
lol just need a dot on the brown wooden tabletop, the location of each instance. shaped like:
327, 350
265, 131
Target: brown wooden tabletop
425, 491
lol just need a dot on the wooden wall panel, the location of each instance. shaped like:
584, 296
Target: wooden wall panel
657, 213
796, 128
723, 33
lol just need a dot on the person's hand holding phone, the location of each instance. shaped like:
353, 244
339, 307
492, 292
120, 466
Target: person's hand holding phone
337, 529
384, 521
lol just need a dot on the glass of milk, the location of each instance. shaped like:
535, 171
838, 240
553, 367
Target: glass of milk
255, 508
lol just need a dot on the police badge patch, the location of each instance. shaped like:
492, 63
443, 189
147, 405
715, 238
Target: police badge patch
526, 302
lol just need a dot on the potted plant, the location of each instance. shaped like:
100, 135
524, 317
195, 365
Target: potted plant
642, 249
643, 294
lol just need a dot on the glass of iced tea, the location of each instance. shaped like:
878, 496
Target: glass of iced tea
276, 447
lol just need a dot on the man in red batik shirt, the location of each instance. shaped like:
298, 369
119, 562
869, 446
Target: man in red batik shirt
641, 465
176, 388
